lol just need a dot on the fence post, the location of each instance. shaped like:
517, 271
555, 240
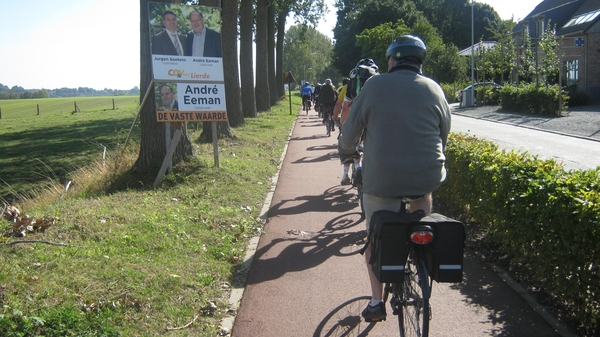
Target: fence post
74, 106
38, 109
0, 113
114, 104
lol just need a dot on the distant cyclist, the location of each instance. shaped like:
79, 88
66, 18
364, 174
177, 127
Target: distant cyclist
306, 93
327, 98
406, 121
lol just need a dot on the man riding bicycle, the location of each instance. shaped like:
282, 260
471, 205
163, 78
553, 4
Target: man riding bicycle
327, 98
306, 93
406, 121
365, 69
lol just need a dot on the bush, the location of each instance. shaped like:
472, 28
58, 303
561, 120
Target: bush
451, 90
547, 220
487, 95
533, 99
576, 97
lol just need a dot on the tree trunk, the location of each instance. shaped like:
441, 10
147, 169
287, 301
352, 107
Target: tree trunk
271, 55
229, 16
279, 53
246, 59
152, 143
263, 100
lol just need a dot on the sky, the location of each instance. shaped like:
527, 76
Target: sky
89, 43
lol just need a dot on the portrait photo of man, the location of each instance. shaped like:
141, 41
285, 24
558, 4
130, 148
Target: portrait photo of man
167, 101
201, 40
169, 41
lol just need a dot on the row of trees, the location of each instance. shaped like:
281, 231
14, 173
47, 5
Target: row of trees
261, 22
364, 29
18, 92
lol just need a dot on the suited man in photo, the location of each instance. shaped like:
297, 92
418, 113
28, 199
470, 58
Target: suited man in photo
167, 97
169, 41
202, 41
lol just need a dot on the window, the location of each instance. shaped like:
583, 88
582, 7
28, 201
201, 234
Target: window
572, 72
583, 18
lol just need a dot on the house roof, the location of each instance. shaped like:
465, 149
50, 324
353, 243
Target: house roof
549, 5
484, 44
583, 18
569, 16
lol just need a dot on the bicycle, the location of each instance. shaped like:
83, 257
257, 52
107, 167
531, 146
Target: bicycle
410, 298
410, 295
327, 110
306, 103
408, 252
329, 124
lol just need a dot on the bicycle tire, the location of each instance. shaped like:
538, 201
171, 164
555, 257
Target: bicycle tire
413, 306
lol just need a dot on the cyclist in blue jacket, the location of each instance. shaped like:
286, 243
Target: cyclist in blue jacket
306, 93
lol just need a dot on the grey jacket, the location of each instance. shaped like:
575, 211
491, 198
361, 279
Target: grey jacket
406, 120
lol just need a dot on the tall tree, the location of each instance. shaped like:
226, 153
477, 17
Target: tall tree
152, 143
354, 16
263, 100
230, 62
281, 15
246, 58
309, 11
273, 92
504, 50
452, 18
307, 53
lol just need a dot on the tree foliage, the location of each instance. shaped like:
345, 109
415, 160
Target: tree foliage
307, 54
451, 19
443, 63
549, 45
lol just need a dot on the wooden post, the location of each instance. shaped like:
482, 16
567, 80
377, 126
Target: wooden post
167, 161
215, 139
150, 86
74, 106
38, 109
168, 144
114, 104
0, 113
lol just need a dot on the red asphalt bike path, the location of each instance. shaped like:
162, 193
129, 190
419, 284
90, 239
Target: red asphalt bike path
307, 278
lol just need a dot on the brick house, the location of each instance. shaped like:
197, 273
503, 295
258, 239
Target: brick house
578, 23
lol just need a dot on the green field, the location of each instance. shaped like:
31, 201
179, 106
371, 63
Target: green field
35, 148
122, 258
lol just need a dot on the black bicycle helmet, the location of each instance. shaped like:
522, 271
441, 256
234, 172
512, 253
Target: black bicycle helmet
365, 68
367, 62
407, 46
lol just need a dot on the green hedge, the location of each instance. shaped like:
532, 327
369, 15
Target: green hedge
545, 218
530, 98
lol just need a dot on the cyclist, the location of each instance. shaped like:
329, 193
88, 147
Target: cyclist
315, 98
339, 102
306, 93
406, 121
327, 97
365, 69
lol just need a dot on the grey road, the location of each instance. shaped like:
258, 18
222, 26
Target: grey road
574, 152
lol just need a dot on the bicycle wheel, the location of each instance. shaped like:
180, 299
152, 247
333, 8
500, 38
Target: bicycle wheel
413, 304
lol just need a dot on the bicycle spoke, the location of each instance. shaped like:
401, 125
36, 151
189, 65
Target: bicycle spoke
413, 313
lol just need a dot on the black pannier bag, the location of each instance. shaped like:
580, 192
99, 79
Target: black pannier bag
448, 246
388, 236
389, 240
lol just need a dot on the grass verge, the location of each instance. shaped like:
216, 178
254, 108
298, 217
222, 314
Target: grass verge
138, 261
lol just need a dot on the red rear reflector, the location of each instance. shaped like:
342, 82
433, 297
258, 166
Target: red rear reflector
421, 237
